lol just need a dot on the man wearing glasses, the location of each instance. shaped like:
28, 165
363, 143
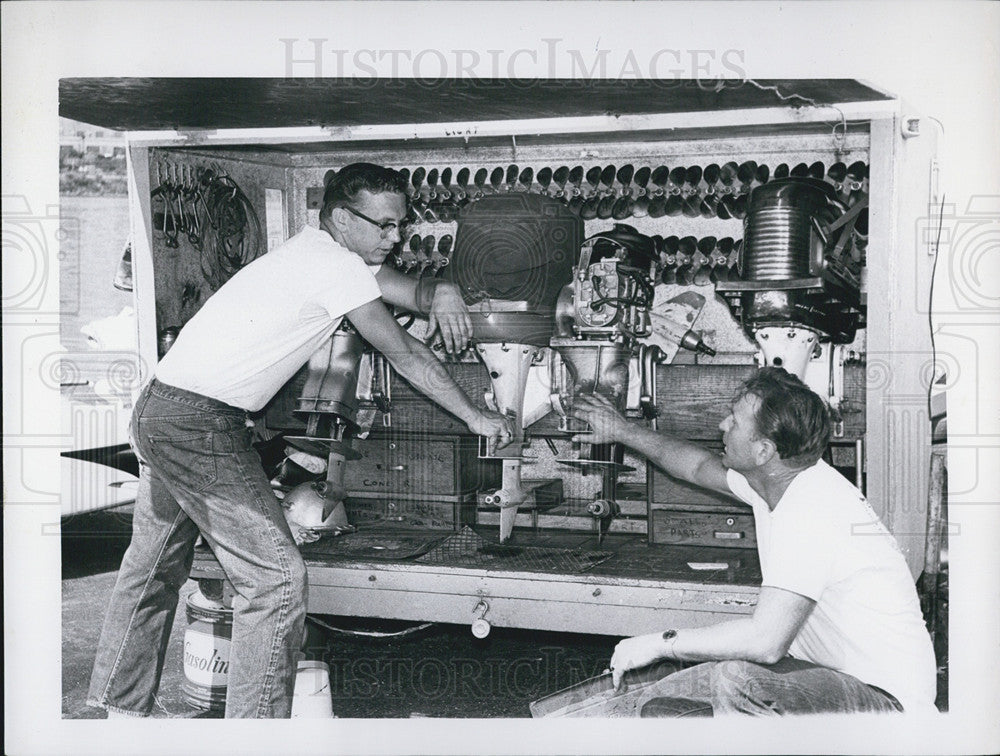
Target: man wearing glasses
199, 472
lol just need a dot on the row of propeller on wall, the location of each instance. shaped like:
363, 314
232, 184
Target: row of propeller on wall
620, 192
684, 260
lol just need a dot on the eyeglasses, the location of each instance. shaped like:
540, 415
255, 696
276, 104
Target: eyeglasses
384, 228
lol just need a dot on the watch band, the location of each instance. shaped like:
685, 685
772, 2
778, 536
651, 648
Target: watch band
670, 637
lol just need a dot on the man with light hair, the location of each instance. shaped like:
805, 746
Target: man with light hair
837, 626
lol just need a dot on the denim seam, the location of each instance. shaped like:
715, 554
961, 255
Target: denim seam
170, 397
131, 621
280, 630
116, 709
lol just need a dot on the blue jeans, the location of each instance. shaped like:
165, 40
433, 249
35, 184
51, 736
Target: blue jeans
791, 686
200, 473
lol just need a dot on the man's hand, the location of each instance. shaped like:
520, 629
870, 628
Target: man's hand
636, 652
606, 424
493, 425
450, 316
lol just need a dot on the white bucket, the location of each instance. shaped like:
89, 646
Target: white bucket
312, 698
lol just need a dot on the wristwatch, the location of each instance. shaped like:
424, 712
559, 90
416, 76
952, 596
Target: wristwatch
670, 637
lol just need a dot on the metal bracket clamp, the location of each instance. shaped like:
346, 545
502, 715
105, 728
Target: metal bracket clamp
480, 625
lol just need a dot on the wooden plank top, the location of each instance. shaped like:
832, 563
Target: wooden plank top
192, 104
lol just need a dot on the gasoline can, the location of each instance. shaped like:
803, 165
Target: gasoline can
207, 642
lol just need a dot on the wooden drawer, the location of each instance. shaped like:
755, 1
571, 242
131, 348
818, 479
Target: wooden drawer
446, 513
418, 465
670, 492
687, 527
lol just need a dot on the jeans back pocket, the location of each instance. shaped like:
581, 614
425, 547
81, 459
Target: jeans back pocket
186, 461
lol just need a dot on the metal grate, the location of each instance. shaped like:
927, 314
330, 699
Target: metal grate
380, 545
469, 549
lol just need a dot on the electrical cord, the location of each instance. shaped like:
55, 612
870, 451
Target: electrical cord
809, 101
232, 237
930, 311
369, 633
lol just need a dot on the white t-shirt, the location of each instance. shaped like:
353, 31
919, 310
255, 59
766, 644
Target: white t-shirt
825, 542
256, 331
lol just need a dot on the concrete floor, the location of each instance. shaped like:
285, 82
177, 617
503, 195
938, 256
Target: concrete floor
93, 546
441, 671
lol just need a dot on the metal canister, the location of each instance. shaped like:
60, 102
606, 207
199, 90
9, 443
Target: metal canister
207, 643
778, 240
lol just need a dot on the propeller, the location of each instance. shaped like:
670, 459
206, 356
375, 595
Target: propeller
481, 176
496, 179
444, 247
575, 179
417, 179
746, 173
606, 207
720, 261
462, 181
432, 180
446, 190
559, 178
544, 179
740, 206
639, 204
711, 177
726, 209
512, 174
526, 179
728, 175
427, 245
685, 257
669, 257
857, 173
706, 246
676, 179
608, 178
674, 205
624, 178
836, 173
692, 178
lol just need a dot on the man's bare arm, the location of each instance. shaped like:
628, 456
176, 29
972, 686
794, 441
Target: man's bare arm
681, 459
439, 301
418, 365
763, 638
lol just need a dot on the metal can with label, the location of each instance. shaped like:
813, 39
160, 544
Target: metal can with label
207, 642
